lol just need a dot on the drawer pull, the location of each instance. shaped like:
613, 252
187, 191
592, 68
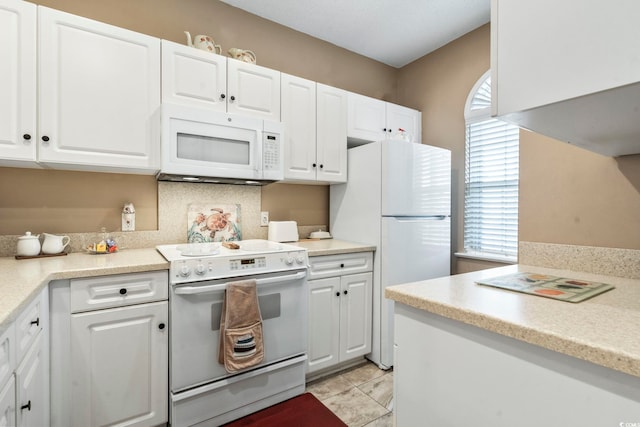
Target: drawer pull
341, 265
36, 322
27, 406
123, 291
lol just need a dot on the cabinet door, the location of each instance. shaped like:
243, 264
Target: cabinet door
324, 323
331, 134
99, 87
399, 117
193, 77
120, 366
366, 118
8, 403
29, 324
32, 405
355, 315
299, 118
17, 82
253, 90
7, 354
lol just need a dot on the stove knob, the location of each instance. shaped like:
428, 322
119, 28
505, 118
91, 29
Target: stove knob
200, 269
185, 271
289, 260
300, 259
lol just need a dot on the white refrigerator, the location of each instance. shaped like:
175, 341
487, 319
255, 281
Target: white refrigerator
398, 198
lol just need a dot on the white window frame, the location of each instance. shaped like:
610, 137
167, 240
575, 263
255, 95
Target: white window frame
478, 110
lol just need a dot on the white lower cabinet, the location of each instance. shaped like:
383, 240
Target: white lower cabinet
8, 403
119, 358
32, 397
110, 353
24, 367
340, 309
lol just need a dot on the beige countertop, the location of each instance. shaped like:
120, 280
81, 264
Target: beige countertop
603, 330
21, 280
319, 247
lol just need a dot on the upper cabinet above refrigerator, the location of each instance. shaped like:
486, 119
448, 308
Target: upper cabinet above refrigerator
569, 70
371, 119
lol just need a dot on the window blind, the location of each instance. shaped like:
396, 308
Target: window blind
491, 188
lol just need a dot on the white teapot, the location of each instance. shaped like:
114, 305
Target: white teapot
54, 244
242, 55
204, 43
28, 245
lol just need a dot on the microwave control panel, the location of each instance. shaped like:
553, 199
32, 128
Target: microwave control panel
271, 147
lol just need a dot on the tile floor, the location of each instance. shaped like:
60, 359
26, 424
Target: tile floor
360, 396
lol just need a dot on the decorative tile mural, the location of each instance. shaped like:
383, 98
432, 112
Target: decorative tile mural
213, 223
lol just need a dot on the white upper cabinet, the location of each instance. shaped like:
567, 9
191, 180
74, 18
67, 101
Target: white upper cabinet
371, 119
331, 134
299, 119
193, 77
17, 83
569, 70
99, 88
198, 78
253, 90
315, 120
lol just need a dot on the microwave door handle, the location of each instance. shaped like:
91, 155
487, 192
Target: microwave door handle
259, 161
194, 290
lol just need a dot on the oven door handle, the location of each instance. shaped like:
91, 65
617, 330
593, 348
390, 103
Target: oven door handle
193, 290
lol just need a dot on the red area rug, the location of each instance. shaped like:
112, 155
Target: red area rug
301, 411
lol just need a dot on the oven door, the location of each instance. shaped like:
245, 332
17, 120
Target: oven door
195, 325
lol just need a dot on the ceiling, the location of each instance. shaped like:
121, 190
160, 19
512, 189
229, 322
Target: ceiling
394, 32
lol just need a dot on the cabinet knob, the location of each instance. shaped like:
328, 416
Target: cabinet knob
341, 265
27, 406
389, 130
26, 136
123, 291
345, 292
45, 138
223, 96
233, 98
36, 322
338, 293
161, 326
321, 165
314, 165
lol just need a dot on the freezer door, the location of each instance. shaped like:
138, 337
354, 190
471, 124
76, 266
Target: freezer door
416, 179
412, 249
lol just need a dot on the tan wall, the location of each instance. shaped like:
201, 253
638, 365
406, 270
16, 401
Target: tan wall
572, 196
83, 202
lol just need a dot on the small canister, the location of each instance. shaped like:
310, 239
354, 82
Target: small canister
128, 217
28, 245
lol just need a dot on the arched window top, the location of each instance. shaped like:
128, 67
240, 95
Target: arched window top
478, 103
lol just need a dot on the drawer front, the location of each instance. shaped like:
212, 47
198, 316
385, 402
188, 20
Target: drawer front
338, 265
118, 290
29, 323
7, 354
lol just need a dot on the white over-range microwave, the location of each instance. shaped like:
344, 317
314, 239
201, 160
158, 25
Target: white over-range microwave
198, 145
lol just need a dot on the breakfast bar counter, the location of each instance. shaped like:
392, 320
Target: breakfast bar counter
504, 355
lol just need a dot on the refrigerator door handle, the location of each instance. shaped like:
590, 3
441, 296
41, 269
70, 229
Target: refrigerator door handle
420, 218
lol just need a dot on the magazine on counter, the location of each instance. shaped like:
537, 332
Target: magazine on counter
561, 288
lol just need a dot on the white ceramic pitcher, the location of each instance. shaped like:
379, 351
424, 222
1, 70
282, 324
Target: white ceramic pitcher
203, 42
53, 244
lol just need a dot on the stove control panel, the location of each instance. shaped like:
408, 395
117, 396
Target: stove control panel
215, 267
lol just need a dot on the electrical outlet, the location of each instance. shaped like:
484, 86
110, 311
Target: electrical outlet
264, 219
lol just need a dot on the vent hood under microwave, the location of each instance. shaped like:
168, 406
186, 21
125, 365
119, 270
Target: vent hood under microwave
198, 145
